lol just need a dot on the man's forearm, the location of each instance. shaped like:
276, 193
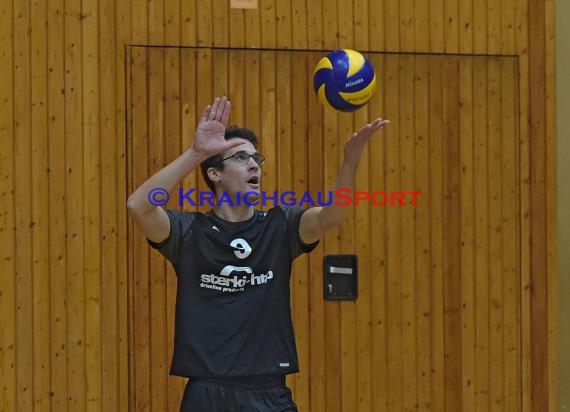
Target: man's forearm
333, 214
167, 178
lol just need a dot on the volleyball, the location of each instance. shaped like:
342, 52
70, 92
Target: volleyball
344, 80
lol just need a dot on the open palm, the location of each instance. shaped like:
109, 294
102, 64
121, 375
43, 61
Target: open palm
209, 139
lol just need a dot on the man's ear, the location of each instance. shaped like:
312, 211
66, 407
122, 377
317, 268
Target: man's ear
214, 174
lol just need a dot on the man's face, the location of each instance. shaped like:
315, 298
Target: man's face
241, 173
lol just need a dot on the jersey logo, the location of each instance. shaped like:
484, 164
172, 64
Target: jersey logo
215, 228
242, 248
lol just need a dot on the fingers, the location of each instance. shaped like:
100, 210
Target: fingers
205, 113
220, 110
226, 113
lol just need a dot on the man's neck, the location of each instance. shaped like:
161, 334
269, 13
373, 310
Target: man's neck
234, 213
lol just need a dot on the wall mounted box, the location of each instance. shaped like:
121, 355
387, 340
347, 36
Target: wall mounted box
340, 280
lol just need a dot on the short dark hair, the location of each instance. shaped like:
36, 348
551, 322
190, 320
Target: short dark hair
216, 161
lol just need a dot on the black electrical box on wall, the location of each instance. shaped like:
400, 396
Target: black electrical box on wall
340, 277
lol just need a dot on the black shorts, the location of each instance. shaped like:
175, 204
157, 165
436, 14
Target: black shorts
262, 394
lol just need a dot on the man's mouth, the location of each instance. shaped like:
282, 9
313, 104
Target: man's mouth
253, 180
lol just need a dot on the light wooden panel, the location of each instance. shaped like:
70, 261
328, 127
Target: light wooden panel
64, 131
437, 321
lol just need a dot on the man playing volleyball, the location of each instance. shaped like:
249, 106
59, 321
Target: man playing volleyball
234, 335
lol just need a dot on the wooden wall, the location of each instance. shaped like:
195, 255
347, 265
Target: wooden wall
64, 326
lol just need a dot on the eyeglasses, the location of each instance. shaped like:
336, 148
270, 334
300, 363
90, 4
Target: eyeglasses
242, 158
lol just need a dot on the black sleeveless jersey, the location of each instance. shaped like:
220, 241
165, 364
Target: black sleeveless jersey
233, 315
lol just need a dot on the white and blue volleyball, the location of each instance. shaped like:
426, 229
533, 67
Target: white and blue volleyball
344, 80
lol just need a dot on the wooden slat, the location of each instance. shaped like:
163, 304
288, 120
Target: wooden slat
267, 17
436, 233
407, 239
508, 42
538, 207
552, 206
140, 381
236, 27
221, 20
23, 212
466, 26
188, 23
253, 28
522, 48
316, 303
422, 182
76, 390
92, 187
407, 39
57, 211
394, 337
204, 27
204, 97
467, 205
451, 29
347, 316
496, 304
39, 198
378, 252
155, 22
345, 23
392, 26
269, 144
109, 247
362, 242
122, 35
8, 335
236, 74
510, 235
421, 29
139, 22
493, 27
451, 241
299, 24
330, 22
481, 212
314, 25
158, 351
332, 246
283, 135
437, 28
480, 27
283, 25
300, 274
172, 23
252, 86
376, 25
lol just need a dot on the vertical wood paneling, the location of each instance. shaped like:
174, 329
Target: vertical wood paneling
407, 239
317, 320
436, 233
23, 211
57, 193
64, 128
467, 261
8, 335
76, 396
451, 238
91, 205
393, 235
40, 214
299, 184
422, 231
481, 211
110, 354
378, 253
157, 282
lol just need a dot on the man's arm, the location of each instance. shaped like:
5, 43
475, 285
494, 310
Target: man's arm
209, 140
318, 220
